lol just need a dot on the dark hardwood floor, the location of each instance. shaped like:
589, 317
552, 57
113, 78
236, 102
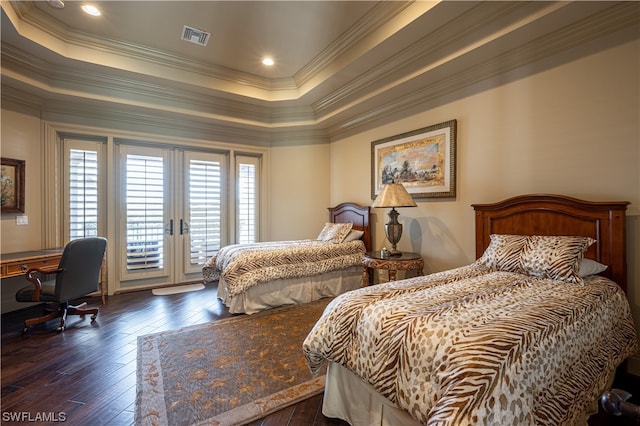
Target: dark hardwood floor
88, 371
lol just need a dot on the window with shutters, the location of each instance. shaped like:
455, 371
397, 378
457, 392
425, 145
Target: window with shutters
82, 189
166, 208
247, 173
144, 201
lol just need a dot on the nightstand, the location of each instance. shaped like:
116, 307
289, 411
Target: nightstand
374, 260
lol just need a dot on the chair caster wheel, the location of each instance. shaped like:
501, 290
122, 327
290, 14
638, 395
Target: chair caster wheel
25, 330
93, 317
59, 329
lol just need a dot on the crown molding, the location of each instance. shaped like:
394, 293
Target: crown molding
130, 57
615, 26
60, 80
381, 14
82, 46
153, 121
445, 43
450, 61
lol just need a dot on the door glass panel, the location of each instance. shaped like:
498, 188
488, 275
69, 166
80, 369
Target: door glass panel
144, 212
205, 209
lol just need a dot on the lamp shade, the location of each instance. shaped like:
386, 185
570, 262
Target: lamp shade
393, 195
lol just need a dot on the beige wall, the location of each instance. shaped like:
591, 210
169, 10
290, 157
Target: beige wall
572, 130
21, 141
299, 194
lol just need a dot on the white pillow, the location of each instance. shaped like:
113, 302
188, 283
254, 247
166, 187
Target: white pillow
334, 232
590, 267
353, 235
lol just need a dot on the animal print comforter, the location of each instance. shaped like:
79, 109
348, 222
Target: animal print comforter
469, 346
245, 265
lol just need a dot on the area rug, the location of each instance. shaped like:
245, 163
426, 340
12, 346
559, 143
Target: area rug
177, 289
227, 372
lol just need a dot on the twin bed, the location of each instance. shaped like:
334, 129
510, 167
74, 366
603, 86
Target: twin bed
259, 276
530, 333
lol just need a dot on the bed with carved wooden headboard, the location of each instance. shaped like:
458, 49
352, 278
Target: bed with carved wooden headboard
529, 333
544, 214
263, 275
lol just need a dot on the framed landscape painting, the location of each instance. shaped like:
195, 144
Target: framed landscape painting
423, 160
12, 185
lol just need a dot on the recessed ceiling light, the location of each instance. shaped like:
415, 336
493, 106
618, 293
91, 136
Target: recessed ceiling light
58, 4
91, 10
268, 61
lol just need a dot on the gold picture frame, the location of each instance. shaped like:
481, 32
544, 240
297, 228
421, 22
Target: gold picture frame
12, 185
423, 160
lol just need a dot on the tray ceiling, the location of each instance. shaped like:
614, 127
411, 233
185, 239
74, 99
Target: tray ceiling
341, 66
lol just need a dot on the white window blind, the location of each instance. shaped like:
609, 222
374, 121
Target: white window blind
144, 212
247, 202
205, 209
83, 193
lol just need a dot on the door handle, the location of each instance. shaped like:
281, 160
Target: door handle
184, 227
169, 228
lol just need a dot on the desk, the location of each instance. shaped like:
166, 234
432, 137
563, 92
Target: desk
374, 260
18, 263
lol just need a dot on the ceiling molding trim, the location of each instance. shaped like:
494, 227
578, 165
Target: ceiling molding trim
62, 81
443, 45
131, 118
620, 21
382, 13
81, 46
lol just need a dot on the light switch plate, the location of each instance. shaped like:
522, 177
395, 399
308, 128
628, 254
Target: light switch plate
22, 220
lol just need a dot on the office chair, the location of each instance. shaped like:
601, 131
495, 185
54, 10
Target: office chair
78, 274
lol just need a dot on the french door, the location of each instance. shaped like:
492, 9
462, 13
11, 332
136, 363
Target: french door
172, 206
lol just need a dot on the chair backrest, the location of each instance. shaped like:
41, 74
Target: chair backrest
81, 263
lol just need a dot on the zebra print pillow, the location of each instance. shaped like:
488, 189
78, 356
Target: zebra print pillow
334, 232
503, 253
554, 257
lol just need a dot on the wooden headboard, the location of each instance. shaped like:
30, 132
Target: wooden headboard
544, 214
356, 214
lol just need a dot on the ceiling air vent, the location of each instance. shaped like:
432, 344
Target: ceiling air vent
195, 35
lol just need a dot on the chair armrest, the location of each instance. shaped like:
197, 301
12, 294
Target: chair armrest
35, 297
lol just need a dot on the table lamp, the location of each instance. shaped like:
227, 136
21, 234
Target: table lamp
393, 195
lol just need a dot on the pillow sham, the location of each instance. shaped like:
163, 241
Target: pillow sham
353, 235
554, 257
503, 253
334, 232
590, 267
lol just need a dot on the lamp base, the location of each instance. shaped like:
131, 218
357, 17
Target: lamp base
395, 252
393, 229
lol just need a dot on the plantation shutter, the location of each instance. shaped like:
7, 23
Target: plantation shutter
205, 209
82, 185
83, 193
144, 212
247, 202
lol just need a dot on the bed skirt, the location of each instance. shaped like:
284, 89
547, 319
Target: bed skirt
348, 397
290, 291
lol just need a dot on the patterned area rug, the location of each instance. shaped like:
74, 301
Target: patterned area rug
226, 372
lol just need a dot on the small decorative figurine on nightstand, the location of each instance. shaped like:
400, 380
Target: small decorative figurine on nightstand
384, 253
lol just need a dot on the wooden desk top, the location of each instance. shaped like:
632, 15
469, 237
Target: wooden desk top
30, 255
16, 264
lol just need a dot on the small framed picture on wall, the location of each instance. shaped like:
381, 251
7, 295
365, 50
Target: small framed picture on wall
12, 185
